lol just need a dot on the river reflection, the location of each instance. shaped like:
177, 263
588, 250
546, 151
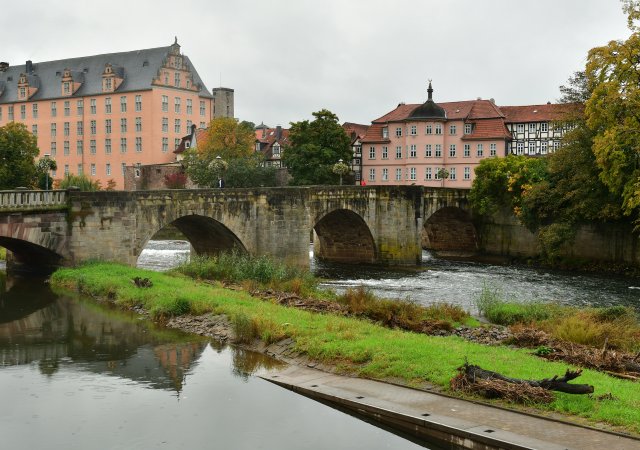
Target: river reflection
78, 375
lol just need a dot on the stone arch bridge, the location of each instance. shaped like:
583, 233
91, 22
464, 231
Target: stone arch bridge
352, 224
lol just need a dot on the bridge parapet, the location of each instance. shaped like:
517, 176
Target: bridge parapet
23, 200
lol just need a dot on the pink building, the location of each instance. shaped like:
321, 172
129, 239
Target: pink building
432, 144
95, 115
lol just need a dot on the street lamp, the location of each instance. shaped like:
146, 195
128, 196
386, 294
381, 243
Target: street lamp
340, 161
46, 173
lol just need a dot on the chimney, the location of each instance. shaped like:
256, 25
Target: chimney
29, 67
4, 66
492, 100
278, 132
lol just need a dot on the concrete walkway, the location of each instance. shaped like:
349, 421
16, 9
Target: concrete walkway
446, 421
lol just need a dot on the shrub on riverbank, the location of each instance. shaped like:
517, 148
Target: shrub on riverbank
357, 346
616, 326
236, 267
3, 254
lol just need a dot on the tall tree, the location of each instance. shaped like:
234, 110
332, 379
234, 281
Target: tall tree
315, 147
18, 150
613, 112
228, 138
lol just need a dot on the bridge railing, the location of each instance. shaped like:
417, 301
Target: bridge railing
17, 200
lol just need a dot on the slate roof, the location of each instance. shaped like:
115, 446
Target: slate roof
139, 68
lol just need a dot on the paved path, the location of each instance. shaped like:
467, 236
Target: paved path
431, 416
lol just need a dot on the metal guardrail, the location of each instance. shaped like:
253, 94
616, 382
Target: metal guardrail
23, 199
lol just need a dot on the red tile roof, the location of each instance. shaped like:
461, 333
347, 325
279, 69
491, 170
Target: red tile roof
537, 113
269, 137
355, 128
488, 129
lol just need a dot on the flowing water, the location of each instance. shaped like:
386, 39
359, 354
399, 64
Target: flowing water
78, 375
458, 282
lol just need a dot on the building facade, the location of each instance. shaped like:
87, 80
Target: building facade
440, 145
356, 133
95, 115
271, 142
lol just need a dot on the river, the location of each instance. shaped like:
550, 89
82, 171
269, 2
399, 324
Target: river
78, 375
440, 280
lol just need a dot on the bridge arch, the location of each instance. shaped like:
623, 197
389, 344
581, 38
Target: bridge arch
206, 235
30, 257
344, 236
449, 231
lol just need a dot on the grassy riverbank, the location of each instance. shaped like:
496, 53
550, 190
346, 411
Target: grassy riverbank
352, 345
3, 253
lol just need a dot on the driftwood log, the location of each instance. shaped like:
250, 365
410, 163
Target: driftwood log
473, 373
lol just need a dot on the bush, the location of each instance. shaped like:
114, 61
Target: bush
81, 181
176, 180
491, 305
245, 328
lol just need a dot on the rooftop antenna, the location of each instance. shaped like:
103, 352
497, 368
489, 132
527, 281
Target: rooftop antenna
220, 79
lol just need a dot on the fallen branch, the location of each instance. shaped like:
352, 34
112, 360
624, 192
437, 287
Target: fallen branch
474, 377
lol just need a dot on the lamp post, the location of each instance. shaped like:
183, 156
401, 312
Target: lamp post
46, 173
340, 161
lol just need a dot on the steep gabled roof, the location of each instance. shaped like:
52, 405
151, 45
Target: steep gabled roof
138, 67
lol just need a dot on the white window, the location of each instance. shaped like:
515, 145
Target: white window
412, 173
66, 129
54, 148
556, 145
493, 149
372, 174
92, 146
123, 145
66, 169
165, 103
372, 153
429, 129
54, 110
452, 150
189, 106
94, 127
93, 169
108, 169
398, 152
398, 174
107, 126
53, 129
468, 128
467, 150
452, 130
138, 102
532, 147
165, 145
452, 173
520, 148
80, 107
427, 173
543, 147
34, 110
138, 124
413, 151
165, 125
124, 168
79, 147
107, 146
438, 151
202, 109
385, 152
438, 128
123, 125
385, 132
123, 104
92, 105
176, 105
176, 126
480, 150
67, 108
414, 130
427, 151
176, 79
532, 128
398, 132
467, 173
544, 127
80, 169
107, 105
34, 130
385, 174
138, 144
520, 128
66, 148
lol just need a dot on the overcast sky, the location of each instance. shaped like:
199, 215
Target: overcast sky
357, 58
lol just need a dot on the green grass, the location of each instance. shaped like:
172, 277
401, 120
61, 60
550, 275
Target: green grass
618, 326
356, 346
3, 253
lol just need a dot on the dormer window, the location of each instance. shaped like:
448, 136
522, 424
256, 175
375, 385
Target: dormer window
187, 144
276, 150
385, 132
108, 84
23, 93
468, 128
66, 87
